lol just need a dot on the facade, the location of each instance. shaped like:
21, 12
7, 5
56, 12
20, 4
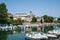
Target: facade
20, 15
26, 17
39, 19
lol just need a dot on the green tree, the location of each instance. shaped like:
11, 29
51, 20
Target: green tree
45, 18
10, 20
3, 13
34, 19
48, 19
17, 22
58, 20
41, 21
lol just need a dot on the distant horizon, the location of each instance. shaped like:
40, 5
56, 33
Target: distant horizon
38, 7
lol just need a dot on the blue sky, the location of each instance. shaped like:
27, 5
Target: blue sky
38, 7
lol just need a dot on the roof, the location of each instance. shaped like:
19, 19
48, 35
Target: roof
21, 13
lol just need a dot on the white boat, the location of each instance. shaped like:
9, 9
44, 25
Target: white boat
56, 32
36, 36
51, 35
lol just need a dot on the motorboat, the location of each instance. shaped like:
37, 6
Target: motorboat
35, 36
56, 32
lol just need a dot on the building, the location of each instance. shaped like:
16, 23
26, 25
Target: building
26, 17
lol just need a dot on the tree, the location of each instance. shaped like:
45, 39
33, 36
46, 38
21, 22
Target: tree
10, 19
58, 20
41, 21
45, 18
17, 22
3, 13
48, 19
34, 19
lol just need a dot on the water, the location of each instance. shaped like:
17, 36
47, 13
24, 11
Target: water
19, 36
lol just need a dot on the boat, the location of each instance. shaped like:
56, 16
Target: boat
56, 32
35, 36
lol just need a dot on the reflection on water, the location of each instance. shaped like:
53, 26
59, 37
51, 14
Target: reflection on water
3, 35
19, 36
9, 36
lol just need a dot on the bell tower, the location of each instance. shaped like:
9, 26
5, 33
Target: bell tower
30, 11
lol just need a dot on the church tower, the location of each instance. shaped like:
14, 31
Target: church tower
30, 11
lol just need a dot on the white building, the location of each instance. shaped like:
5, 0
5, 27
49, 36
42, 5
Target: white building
26, 17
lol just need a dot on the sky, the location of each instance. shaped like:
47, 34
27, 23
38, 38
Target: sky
38, 7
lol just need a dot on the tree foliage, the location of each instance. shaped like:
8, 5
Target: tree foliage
34, 19
3, 13
48, 19
58, 20
18, 22
41, 21
10, 20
